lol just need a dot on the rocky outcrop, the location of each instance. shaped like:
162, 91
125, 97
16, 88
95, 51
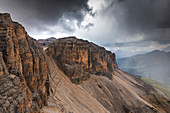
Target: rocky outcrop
22, 66
79, 58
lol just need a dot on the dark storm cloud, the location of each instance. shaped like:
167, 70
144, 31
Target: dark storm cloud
143, 14
159, 36
128, 44
134, 18
48, 12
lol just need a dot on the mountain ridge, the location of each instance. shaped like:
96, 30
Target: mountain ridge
153, 65
72, 75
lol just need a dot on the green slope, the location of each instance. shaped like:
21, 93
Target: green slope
164, 88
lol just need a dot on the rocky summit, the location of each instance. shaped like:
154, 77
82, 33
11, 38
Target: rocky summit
71, 76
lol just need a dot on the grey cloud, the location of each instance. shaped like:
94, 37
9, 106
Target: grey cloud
118, 23
37, 13
143, 14
157, 36
129, 44
132, 18
161, 36
89, 25
138, 16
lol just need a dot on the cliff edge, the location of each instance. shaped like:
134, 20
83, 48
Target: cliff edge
23, 69
78, 58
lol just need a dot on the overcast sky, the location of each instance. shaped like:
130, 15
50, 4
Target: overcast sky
127, 27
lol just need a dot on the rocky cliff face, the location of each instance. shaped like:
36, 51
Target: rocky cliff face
23, 69
79, 58
95, 75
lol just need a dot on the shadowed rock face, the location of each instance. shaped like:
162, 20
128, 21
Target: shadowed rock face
79, 58
22, 58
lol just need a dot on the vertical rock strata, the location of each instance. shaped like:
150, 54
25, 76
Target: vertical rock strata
94, 70
22, 66
79, 58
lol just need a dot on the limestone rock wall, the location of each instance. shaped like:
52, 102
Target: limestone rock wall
22, 57
79, 58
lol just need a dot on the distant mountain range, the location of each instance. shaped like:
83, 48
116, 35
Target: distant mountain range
167, 49
46, 42
154, 65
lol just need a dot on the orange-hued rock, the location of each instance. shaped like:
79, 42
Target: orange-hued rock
28, 76
99, 94
113, 91
15, 96
22, 57
3, 68
79, 58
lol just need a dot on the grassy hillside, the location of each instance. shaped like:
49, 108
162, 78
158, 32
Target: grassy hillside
164, 88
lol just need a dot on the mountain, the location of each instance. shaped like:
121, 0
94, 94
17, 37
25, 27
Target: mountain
78, 59
46, 42
167, 49
23, 69
162, 87
71, 76
154, 65
94, 70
